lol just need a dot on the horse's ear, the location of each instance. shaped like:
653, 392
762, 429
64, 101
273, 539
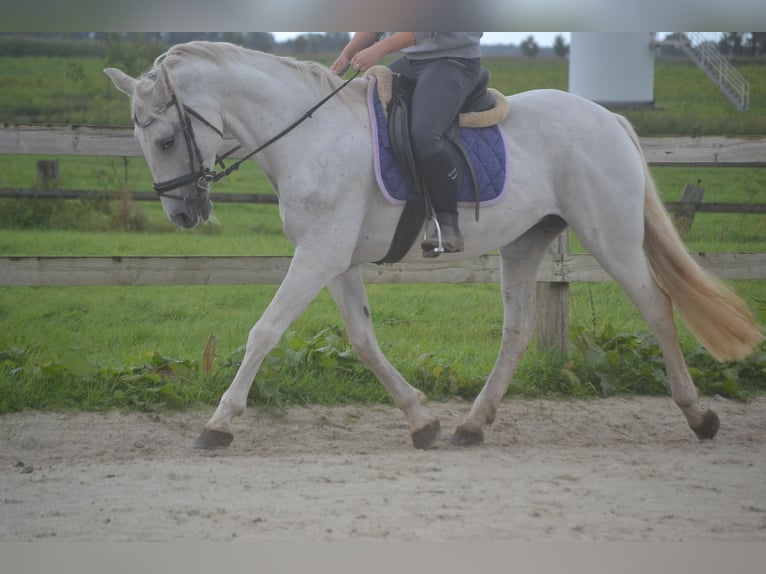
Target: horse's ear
121, 80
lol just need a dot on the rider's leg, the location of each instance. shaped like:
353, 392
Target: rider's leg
441, 178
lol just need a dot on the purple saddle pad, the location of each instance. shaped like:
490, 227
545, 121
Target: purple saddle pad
485, 148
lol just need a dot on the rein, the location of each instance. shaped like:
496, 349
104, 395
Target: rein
204, 177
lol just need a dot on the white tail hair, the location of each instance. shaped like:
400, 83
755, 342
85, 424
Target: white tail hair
719, 318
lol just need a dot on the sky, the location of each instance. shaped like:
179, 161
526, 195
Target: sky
542, 38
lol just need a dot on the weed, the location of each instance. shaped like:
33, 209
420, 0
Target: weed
617, 363
323, 369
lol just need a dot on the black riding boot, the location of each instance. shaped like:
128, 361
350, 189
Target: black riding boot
440, 177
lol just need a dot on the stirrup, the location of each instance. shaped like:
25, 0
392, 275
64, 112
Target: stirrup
439, 244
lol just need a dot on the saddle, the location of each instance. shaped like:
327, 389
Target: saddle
484, 107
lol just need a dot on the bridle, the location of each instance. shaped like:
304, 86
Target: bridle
203, 177
198, 173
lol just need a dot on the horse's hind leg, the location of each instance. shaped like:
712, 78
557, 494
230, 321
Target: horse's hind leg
618, 246
519, 263
631, 270
350, 296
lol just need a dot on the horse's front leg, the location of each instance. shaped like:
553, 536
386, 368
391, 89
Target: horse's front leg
307, 275
350, 296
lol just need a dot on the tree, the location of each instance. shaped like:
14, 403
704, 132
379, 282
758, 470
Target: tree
756, 44
529, 47
263, 41
182, 37
134, 55
314, 43
560, 47
336, 41
234, 38
732, 44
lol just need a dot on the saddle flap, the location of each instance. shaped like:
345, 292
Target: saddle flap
398, 113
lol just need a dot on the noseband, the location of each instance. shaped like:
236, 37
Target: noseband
203, 177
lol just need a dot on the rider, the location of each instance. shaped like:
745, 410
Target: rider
445, 67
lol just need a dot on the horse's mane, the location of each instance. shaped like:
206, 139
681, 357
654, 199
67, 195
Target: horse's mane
223, 55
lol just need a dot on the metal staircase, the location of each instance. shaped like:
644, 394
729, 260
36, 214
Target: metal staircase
706, 55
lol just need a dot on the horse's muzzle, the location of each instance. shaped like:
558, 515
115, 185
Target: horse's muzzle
192, 213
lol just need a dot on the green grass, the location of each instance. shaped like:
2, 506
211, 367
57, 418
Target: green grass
59, 90
141, 347
75, 91
688, 103
243, 230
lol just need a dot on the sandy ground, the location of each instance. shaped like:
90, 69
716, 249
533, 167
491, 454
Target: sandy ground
604, 470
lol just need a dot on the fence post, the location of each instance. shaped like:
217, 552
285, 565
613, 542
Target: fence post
687, 208
553, 305
47, 173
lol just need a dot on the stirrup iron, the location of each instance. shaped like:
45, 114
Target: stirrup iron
439, 245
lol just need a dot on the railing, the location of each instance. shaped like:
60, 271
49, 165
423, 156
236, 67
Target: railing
707, 56
119, 142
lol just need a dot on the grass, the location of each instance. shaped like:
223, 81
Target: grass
688, 103
141, 346
58, 90
75, 91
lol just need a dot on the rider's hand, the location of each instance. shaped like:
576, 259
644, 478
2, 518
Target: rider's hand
367, 58
340, 65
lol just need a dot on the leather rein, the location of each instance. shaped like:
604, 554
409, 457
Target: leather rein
202, 176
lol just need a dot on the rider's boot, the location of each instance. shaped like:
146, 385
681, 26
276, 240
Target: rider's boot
444, 224
442, 232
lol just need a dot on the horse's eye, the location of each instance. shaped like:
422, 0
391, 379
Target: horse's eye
168, 143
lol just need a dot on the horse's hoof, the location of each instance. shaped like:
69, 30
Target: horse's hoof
213, 440
708, 428
427, 437
463, 437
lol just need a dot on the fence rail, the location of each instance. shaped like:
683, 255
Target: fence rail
97, 141
270, 270
219, 197
557, 271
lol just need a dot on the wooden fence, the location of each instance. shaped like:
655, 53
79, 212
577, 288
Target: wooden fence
95, 141
35, 271
559, 268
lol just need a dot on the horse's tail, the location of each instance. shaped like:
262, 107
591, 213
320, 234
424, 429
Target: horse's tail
719, 319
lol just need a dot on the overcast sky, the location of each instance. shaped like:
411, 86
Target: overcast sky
542, 38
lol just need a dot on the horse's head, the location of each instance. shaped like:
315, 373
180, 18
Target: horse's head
179, 138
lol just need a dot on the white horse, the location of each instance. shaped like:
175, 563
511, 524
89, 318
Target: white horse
574, 164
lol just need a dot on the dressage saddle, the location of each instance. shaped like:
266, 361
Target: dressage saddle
398, 112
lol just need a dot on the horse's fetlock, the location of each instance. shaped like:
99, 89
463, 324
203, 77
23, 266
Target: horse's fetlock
232, 408
414, 401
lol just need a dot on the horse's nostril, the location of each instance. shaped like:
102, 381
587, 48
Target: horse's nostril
184, 219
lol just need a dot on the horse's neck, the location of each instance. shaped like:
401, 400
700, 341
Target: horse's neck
260, 96
264, 95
